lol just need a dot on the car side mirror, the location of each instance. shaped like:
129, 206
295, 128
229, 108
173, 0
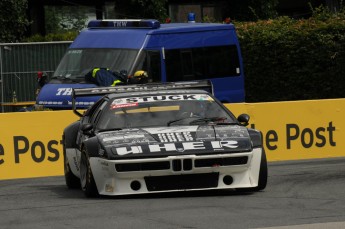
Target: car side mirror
243, 119
87, 128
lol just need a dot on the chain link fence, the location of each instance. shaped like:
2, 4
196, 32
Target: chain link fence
19, 64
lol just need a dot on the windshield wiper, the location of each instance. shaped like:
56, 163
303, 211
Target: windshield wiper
216, 120
110, 129
180, 119
64, 78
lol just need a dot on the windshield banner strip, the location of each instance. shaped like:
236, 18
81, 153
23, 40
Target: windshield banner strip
203, 85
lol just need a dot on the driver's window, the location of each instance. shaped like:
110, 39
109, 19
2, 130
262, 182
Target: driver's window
95, 116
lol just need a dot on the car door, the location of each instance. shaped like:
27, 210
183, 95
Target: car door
90, 117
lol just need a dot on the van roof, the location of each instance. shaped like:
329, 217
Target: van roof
134, 38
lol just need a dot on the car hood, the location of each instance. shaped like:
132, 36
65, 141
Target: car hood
177, 140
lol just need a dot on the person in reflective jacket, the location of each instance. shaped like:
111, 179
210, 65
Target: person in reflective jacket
105, 77
139, 77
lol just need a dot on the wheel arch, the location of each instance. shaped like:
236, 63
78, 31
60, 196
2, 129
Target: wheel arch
91, 147
70, 135
256, 137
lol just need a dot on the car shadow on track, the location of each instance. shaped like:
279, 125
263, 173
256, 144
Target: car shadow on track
58, 187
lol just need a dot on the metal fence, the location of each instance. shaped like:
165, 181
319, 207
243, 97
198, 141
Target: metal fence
19, 64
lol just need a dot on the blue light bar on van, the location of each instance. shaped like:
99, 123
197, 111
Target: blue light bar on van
126, 24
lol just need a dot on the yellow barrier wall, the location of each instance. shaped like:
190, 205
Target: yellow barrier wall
30, 142
299, 129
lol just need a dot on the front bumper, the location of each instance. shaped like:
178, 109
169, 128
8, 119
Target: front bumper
177, 173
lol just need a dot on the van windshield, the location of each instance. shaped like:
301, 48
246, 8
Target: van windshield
78, 62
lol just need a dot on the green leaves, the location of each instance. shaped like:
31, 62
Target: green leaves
13, 20
287, 59
135, 9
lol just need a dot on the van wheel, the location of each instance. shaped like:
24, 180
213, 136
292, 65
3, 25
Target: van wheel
87, 181
263, 174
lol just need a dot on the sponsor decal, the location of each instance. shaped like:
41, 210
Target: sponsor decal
155, 98
131, 88
122, 137
171, 147
81, 103
75, 163
123, 105
64, 91
297, 137
105, 163
175, 137
74, 51
120, 23
61, 103
50, 102
179, 129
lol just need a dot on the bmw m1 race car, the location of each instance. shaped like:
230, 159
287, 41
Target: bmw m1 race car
161, 138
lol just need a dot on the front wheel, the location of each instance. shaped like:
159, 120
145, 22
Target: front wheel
72, 181
87, 181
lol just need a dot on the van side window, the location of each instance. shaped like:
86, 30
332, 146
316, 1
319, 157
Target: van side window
202, 63
187, 64
150, 61
154, 65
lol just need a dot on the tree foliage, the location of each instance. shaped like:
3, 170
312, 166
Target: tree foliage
13, 20
287, 59
59, 19
149, 9
250, 10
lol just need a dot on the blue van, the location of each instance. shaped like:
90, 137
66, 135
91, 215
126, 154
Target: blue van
167, 52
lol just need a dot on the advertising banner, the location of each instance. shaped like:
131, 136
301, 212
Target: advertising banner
299, 129
31, 142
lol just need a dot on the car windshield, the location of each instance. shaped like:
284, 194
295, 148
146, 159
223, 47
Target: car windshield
78, 62
164, 110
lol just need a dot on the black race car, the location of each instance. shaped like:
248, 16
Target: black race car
161, 138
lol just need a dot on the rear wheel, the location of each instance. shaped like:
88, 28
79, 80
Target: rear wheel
263, 174
87, 181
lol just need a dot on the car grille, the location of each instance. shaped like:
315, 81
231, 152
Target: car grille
217, 162
181, 182
143, 166
183, 164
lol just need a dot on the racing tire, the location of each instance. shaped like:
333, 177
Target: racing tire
72, 181
263, 174
87, 181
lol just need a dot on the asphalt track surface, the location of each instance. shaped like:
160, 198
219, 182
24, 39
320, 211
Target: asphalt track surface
300, 194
